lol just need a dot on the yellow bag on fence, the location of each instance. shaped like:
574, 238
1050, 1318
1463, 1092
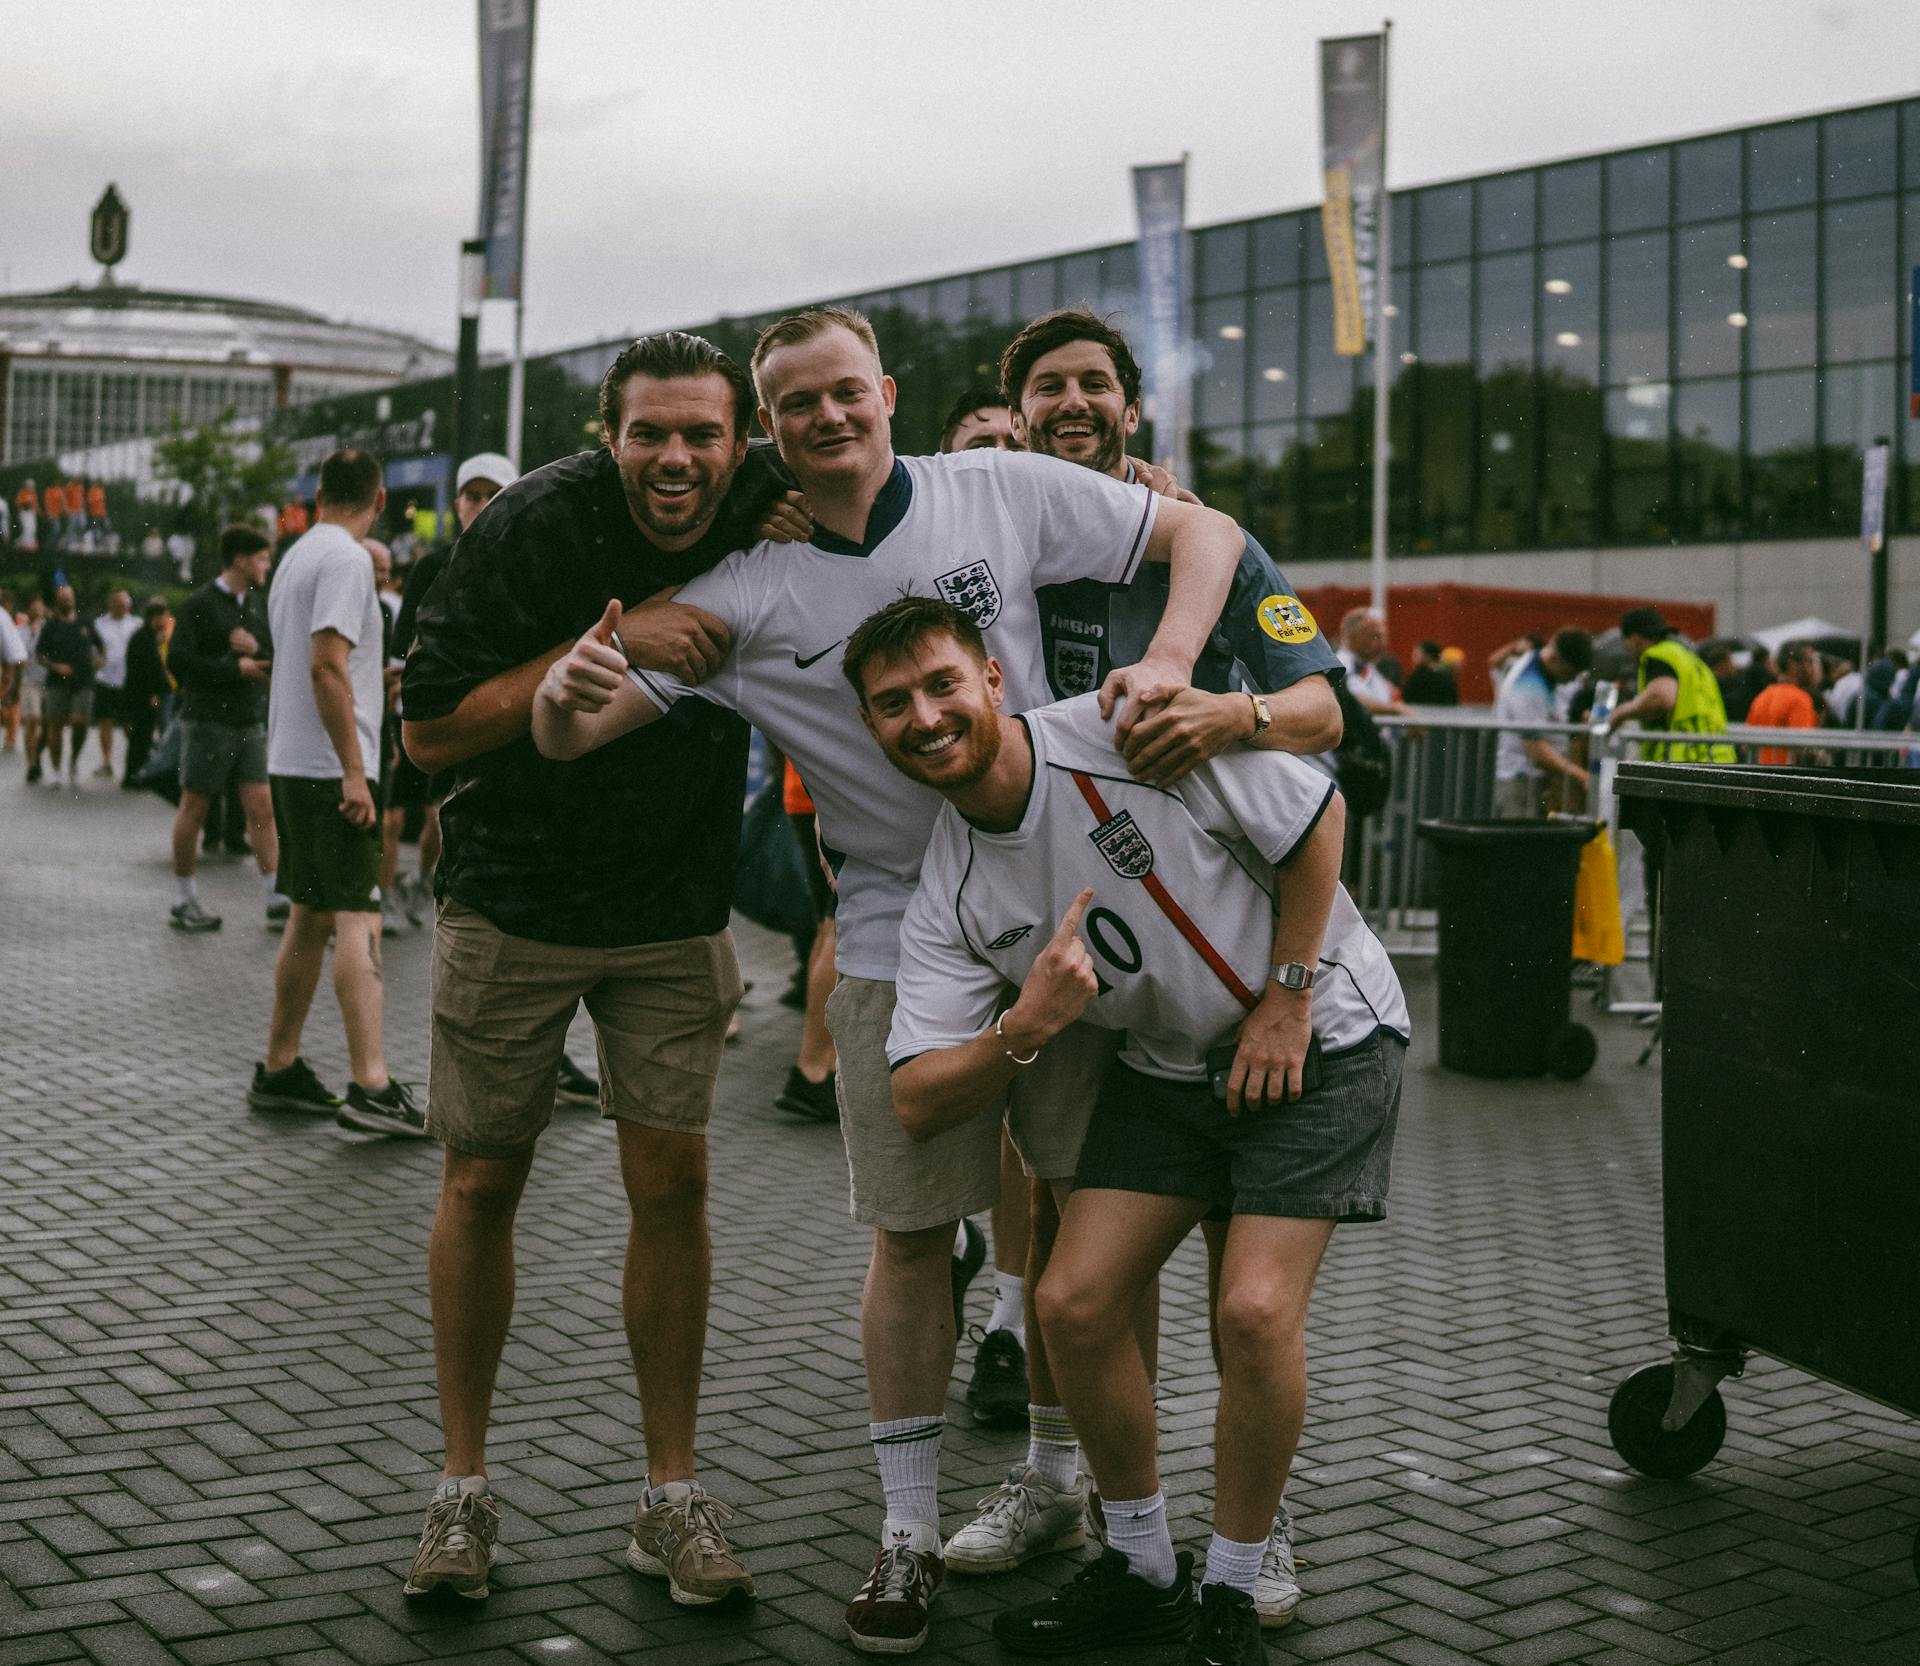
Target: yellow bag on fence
1597, 933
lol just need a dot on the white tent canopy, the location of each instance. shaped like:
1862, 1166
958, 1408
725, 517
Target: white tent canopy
1809, 629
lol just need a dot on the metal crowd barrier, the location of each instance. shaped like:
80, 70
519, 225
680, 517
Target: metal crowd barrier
1443, 766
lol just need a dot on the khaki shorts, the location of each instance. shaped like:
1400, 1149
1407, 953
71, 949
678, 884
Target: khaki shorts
899, 1185
501, 1007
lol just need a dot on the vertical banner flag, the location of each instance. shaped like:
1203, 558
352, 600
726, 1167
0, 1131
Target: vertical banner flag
1873, 499
1352, 132
1160, 203
506, 104
1913, 340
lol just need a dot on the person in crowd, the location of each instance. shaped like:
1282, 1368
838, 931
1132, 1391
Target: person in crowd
1790, 702
26, 510
1527, 761
1076, 388
97, 509
979, 420
809, 1089
1362, 653
1675, 693
53, 511
1432, 681
13, 665
149, 686
323, 763
1219, 1098
69, 650
982, 528
152, 546
221, 654
392, 918
114, 629
181, 548
33, 689
606, 882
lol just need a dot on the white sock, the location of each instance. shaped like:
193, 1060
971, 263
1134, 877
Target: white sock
1009, 1305
908, 1452
651, 1495
1053, 1449
1229, 1562
459, 1486
1137, 1528
269, 883
184, 891
960, 1239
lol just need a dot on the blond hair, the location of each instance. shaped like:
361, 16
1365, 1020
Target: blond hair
797, 327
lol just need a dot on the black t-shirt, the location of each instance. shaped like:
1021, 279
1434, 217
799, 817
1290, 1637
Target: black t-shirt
633, 843
72, 642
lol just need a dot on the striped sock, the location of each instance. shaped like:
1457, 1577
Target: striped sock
1053, 1449
908, 1452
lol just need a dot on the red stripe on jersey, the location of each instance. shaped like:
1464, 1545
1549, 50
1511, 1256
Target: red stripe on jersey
1163, 899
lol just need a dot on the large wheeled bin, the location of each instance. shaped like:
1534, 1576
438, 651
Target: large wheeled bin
1790, 1104
1506, 946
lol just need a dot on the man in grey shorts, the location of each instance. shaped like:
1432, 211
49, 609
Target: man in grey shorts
1174, 907
220, 655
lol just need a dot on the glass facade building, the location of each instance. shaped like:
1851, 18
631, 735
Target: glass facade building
1684, 343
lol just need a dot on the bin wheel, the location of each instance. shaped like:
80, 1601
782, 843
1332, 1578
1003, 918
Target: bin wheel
1633, 1420
1571, 1053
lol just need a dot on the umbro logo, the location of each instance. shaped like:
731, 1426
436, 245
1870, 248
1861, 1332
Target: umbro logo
800, 664
1007, 939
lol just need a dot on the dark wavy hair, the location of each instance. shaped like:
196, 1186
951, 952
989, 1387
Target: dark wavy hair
1056, 329
667, 355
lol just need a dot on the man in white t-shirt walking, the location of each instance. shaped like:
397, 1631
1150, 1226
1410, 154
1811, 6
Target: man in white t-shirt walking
323, 765
1363, 645
115, 630
1175, 905
981, 529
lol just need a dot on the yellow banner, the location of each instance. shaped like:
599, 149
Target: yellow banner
1336, 224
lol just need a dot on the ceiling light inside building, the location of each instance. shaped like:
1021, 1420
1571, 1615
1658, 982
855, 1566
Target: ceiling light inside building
1568, 338
1273, 373
1737, 262
1559, 286
1737, 319
1232, 332
1409, 358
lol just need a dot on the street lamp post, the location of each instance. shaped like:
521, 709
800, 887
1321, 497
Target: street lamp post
466, 387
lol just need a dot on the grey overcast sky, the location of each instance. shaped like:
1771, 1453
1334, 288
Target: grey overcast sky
722, 156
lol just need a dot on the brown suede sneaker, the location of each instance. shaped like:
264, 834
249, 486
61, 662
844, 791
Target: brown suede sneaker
680, 1540
889, 1615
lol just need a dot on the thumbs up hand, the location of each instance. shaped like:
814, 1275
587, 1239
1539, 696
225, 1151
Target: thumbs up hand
590, 675
1060, 985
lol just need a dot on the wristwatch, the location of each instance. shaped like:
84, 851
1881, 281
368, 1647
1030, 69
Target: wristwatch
1262, 715
1290, 974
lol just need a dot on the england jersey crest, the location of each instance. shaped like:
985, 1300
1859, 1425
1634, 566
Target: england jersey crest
1076, 668
972, 590
1124, 846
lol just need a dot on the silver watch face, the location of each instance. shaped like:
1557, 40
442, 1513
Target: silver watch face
1292, 976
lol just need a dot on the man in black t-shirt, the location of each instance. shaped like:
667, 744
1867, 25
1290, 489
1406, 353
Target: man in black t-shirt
606, 880
70, 650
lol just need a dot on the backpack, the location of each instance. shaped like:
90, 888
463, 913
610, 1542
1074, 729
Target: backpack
1362, 764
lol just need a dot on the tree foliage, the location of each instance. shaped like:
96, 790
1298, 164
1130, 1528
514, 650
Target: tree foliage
223, 477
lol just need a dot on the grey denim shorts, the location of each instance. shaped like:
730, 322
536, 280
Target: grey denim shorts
1327, 1157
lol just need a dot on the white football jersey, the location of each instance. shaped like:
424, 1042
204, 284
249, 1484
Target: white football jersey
981, 529
1182, 903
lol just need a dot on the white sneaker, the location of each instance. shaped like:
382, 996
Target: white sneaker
392, 920
1021, 1518
1276, 1588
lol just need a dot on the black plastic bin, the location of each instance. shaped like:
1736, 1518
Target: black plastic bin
1790, 1104
1506, 946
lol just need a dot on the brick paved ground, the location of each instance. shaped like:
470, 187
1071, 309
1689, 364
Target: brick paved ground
216, 1414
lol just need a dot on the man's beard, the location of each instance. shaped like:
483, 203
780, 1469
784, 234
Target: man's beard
694, 511
979, 741
1109, 444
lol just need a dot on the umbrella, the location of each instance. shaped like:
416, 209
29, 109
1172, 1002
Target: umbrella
1822, 633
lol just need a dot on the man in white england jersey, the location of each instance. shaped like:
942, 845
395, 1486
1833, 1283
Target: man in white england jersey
1265, 1034
980, 529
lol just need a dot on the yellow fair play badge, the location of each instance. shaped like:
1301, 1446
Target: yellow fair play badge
1286, 619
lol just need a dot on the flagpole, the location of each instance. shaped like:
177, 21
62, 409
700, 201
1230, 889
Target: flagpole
517, 383
1382, 330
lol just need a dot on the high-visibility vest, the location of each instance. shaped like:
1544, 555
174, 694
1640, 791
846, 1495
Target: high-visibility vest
1697, 709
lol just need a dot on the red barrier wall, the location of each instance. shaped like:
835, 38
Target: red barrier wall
1478, 619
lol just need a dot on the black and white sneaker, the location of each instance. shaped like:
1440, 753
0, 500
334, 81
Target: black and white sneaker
390, 1111
810, 1101
1227, 1632
576, 1086
190, 916
1102, 1604
294, 1089
997, 1391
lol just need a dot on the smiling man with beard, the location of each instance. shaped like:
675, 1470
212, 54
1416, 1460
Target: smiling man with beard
606, 881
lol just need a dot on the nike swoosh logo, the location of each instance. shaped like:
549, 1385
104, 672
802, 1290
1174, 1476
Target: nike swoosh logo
800, 664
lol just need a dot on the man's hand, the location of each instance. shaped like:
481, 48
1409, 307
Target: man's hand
1059, 986
254, 669
664, 635
242, 641
1272, 1050
356, 800
1166, 744
1160, 482
58, 669
788, 520
590, 675
1150, 683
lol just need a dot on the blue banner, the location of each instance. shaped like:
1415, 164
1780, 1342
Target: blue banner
1913, 341
506, 106
1160, 202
